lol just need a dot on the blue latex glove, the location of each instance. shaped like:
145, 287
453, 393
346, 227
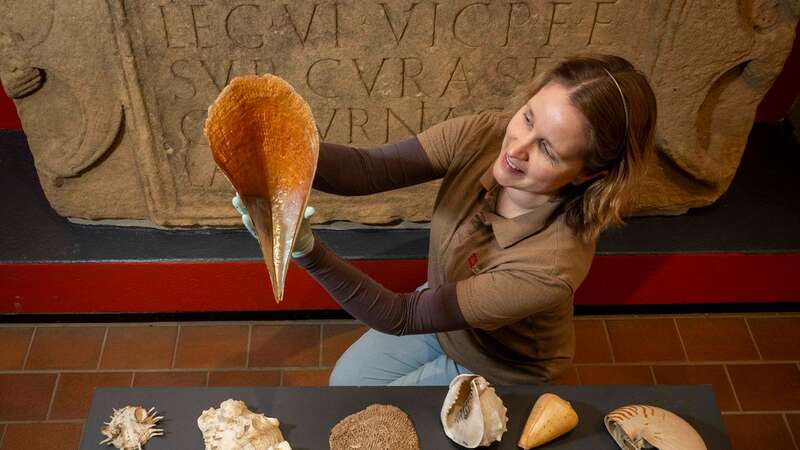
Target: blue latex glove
305, 238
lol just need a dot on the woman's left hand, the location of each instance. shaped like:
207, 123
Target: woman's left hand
305, 237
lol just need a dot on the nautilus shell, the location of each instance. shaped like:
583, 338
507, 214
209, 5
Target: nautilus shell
234, 427
472, 414
550, 417
131, 427
637, 427
264, 138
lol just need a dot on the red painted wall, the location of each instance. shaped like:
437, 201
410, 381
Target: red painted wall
785, 90
8, 113
774, 107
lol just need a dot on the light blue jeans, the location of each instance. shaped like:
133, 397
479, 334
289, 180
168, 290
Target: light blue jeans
378, 359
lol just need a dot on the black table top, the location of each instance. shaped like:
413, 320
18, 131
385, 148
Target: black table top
308, 414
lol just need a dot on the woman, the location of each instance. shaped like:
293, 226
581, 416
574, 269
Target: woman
523, 198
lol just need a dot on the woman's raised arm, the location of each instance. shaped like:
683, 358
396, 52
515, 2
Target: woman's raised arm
427, 311
346, 170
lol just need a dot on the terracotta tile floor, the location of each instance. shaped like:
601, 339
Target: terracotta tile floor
47, 372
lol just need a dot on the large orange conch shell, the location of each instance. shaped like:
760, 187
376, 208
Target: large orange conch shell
550, 417
264, 138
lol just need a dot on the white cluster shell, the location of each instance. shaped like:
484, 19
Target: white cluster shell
637, 427
234, 427
130, 428
472, 414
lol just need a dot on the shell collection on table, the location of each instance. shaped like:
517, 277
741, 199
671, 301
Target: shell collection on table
472, 415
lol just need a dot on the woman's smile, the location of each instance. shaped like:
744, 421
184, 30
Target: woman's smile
513, 168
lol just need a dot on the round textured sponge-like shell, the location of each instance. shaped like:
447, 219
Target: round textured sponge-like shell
376, 427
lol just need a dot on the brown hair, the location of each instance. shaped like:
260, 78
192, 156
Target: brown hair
616, 155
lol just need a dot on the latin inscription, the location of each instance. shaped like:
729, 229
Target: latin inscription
372, 71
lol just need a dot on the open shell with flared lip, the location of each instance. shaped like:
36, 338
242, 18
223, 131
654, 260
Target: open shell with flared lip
234, 427
550, 417
131, 427
637, 427
472, 414
264, 138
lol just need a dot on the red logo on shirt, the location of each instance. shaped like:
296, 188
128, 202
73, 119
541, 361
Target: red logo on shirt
473, 262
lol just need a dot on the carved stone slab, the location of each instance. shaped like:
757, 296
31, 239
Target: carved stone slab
113, 94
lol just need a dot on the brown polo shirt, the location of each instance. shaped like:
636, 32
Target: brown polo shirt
515, 278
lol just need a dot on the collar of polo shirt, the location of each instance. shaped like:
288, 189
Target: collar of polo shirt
510, 231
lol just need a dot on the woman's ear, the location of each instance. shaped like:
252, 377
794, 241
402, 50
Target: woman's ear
583, 178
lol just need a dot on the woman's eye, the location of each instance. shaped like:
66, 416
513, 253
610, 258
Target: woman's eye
546, 151
527, 119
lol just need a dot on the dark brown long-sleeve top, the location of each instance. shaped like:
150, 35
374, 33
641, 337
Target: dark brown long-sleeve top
344, 170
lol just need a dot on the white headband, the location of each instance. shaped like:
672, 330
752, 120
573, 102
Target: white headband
624, 106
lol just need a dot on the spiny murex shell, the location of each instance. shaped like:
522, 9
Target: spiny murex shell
234, 427
550, 417
472, 414
131, 427
636, 427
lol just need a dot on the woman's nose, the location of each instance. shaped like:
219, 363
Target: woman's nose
519, 148
516, 152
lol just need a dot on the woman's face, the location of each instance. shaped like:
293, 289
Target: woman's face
543, 147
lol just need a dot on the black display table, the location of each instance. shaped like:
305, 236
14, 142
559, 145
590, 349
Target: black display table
308, 414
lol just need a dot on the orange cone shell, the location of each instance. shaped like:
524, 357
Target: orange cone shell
550, 417
263, 137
